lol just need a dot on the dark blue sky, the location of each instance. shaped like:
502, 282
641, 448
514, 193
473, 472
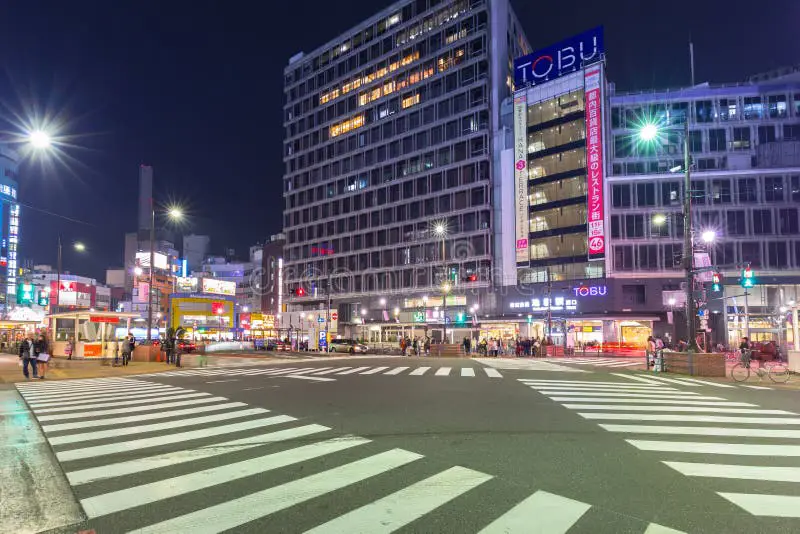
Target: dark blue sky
194, 88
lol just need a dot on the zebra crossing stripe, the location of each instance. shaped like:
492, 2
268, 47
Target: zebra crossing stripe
104, 394
636, 378
419, 371
542, 512
333, 370
126, 410
674, 381
144, 443
150, 401
395, 371
693, 418
655, 528
733, 449
492, 373
103, 398
621, 388
128, 498
707, 383
374, 371
765, 505
443, 371
406, 505
116, 432
653, 401
355, 370
144, 417
756, 387
705, 431
467, 371
587, 383
231, 514
130, 467
742, 472
311, 370
70, 384
674, 396
714, 409
83, 389
293, 371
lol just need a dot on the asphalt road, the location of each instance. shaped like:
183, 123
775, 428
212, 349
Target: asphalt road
424, 445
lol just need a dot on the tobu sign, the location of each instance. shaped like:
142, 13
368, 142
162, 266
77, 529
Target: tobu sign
594, 162
590, 291
559, 59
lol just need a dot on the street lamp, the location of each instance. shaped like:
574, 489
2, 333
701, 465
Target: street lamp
77, 246
40, 139
363, 324
445, 291
174, 213
709, 236
659, 219
383, 302
649, 132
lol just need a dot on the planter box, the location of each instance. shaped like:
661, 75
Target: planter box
695, 364
146, 353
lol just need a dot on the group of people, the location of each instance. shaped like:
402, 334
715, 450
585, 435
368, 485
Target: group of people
417, 346
506, 347
34, 354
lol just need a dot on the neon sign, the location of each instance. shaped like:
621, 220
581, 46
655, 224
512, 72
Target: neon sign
590, 291
560, 59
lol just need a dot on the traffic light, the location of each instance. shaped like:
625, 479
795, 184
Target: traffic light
300, 292
716, 282
748, 278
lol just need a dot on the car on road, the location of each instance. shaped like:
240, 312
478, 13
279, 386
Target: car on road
187, 346
350, 346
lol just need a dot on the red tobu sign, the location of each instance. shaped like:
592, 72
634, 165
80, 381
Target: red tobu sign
101, 319
594, 163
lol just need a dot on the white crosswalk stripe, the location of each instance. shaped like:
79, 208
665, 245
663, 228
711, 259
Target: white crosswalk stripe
695, 427
602, 362
334, 372
166, 452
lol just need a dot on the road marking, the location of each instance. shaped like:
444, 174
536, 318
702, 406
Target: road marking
610, 389
637, 378
148, 401
765, 505
707, 383
674, 381
715, 409
542, 512
742, 472
354, 370
93, 474
756, 387
221, 381
314, 378
78, 396
130, 409
655, 528
125, 446
311, 370
592, 385
443, 371
74, 386
280, 370
705, 431
146, 417
125, 499
103, 398
374, 371
492, 373
294, 371
333, 370
127, 431
674, 396
699, 447
694, 418
419, 371
395, 371
467, 371
652, 401
231, 514
402, 507
588, 383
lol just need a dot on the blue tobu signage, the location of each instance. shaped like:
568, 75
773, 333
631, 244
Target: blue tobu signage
559, 59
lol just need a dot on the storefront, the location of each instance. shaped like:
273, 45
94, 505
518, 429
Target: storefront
203, 318
91, 334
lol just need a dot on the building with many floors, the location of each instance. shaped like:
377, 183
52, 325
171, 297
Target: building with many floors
389, 132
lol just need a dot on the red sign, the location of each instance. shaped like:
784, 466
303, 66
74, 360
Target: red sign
334, 316
244, 320
594, 163
321, 251
217, 308
100, 319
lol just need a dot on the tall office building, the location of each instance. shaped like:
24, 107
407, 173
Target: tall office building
195, 250
9, 229
389, 132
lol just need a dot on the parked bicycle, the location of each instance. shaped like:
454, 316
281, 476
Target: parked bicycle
777, 370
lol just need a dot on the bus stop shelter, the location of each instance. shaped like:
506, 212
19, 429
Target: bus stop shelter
92, 333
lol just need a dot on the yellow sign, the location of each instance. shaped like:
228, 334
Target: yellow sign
219, 287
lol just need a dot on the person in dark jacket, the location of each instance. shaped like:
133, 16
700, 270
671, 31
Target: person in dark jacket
41, 351
27, 357
126, 356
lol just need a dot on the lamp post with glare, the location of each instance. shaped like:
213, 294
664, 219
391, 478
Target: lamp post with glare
363, 325
173, 213
79, 247
648, 133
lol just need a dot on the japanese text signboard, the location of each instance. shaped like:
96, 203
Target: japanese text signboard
521, 207
594, 163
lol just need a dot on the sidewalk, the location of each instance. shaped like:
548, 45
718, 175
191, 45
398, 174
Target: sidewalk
61, 369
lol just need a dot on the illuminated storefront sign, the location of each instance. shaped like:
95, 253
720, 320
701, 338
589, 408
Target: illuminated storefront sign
435, 302
557, 60
521, 176
594, 161
13, 241
160, 260
590, 291
186, 284
219, 287
543, 304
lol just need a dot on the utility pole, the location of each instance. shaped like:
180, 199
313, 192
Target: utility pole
58, 279
549, 336
328, 312
688, 250
444, 292
152, 261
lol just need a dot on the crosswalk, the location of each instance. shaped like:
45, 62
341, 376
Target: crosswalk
601, 362
219, 465
745, 453
340, 371
685, 381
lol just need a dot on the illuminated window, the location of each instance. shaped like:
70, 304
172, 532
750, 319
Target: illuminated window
347, 126
410, 101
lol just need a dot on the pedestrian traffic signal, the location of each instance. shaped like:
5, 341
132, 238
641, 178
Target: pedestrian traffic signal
300, 292
716, 282
748, 278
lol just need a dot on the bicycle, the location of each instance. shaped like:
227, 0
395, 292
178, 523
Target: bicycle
777, 371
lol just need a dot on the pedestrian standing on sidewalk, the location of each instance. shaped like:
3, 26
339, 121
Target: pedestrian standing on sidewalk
126, 356
27, 357
68, 349
41, 350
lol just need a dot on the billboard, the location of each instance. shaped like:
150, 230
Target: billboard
219, 287
186, 284
594, 162
565, 57
521, 208
160, 260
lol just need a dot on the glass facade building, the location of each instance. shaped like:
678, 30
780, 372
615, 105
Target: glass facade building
9, 234
389, 135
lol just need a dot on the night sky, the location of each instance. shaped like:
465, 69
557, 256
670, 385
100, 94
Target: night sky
194, 88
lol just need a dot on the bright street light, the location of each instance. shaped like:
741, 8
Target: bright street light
709, 236
175, 213
425, 299
783, 309
671, 302
80, 247
446, 287
648, 132
397, 311
383, 302
440, 229
137, 271
246, 309
659, 219
40, 139
363, 311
